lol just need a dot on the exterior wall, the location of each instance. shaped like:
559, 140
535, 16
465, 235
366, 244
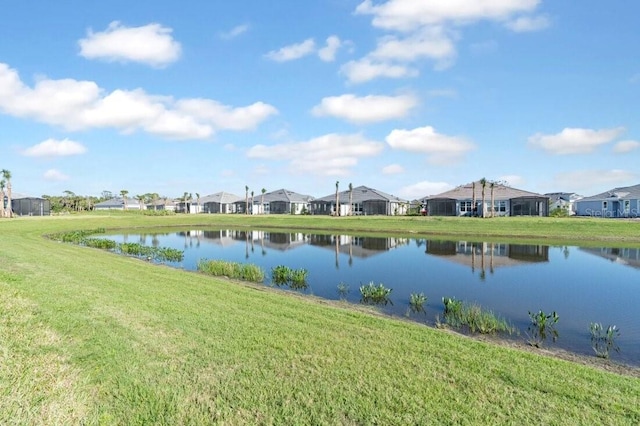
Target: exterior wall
614, 208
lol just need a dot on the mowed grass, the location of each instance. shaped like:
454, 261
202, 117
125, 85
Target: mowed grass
89, 337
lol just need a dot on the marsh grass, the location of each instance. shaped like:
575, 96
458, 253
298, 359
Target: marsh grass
233, 270
296, 279
417, 301
541, 327
474, 319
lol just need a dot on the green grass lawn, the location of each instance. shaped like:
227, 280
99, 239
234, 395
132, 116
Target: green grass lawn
89, 337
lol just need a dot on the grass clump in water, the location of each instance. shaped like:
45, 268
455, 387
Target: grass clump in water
296, 279
474, 318
235, 270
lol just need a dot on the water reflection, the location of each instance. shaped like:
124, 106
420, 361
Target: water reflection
517, 278
621, 256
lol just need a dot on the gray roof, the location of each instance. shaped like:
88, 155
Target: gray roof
19, 196
361, 194
500, 192
283, 195
117, 202
626, 192
220, 198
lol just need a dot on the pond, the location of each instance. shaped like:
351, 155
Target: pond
583, 285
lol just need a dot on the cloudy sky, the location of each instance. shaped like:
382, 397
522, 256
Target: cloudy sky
412, 97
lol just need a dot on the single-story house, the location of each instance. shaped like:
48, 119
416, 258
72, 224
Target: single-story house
162, 204
563, 201
281, 201
24, 205
220, 202
617, 202
361, 201
506, 201
118, 203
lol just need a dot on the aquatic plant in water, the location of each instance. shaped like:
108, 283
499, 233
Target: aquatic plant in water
235, 270
343, 290
296, 279
417, 301
541, 326
474, 318
603, 341
375, 294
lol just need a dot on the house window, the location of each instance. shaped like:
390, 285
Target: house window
466, 207
356, 208
500, 206
605, 205
627, 206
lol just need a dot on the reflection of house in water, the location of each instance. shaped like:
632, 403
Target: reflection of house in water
623, 256
361, 247
487, 255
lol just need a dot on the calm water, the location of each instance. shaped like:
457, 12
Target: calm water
582, 285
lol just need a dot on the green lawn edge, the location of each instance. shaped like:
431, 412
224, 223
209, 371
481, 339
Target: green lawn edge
89, 337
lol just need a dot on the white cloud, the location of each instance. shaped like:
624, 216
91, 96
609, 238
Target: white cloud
424, 189
430, 29
432, 42
328, 155
574, 140
79, 105
293, 51
407, 15
364, 70
440, 149
55, 175
392, 169
150, 44
328, 53
623, 147
55, 148
235, 32
590, 182
529, 23
226, 117
367, 109
512, 180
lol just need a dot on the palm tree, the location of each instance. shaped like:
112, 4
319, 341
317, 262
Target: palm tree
185, 197
483, 182
124, 194
6, 176
474, 208
154, 200
2, 186
251, 202
350, 199
197, 203
141, 198
337, 199
262, 199
246, 199
492, 185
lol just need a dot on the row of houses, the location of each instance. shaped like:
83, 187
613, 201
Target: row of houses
471, 199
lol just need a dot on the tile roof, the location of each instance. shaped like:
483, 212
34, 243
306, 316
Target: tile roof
500, 192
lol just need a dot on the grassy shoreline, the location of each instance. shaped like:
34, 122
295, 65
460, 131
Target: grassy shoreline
88, 337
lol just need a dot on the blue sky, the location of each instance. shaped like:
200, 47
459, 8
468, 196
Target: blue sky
411, 97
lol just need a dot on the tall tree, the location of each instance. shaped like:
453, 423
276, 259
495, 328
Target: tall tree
154, 200
2, 186
251, 202
185, 197
492, 185
197, 202
337, 199
124, 194
350, 199
262, 199
6, 176
474, 208
483, 182
246, 199
141, 199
